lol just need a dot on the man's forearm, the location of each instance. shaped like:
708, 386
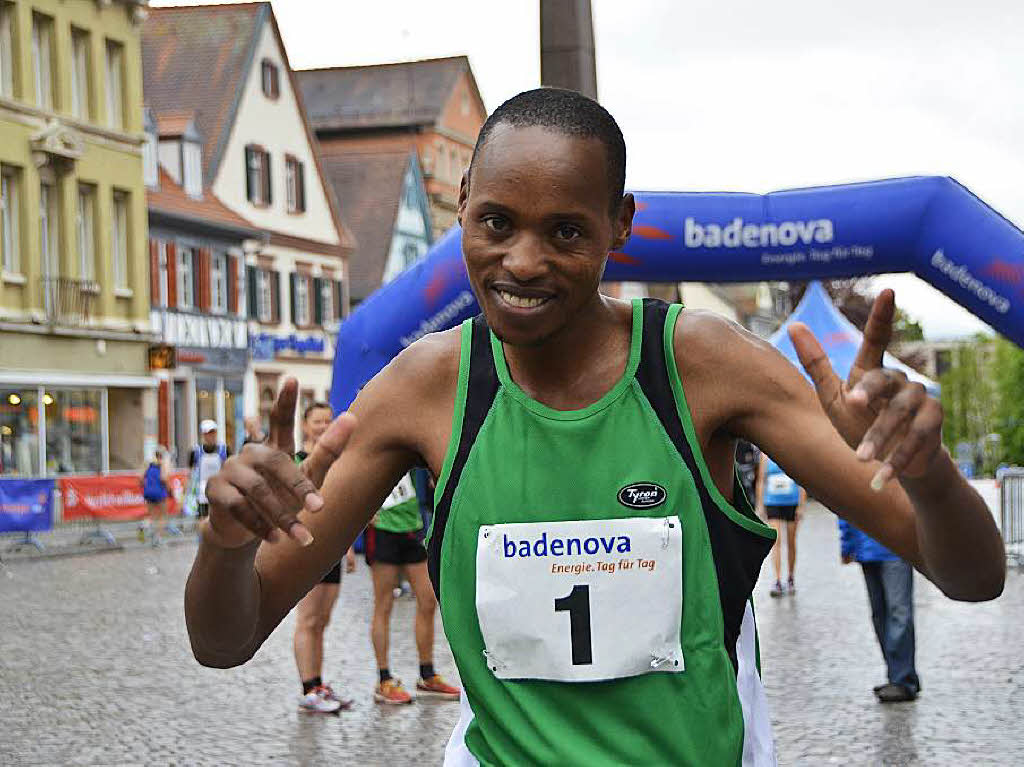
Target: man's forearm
222, 603
958, 538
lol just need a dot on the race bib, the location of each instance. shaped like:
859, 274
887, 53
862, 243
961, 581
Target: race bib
581, 601
780, 484
403, 491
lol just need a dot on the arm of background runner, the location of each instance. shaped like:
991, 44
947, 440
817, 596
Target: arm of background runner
778, 410
762, 468
236, 597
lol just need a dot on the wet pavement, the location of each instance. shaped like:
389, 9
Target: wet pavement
95, 669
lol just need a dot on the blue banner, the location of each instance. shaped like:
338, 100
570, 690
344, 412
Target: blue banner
929, 225
26, 505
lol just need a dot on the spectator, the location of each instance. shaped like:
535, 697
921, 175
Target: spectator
780, 500
890, 584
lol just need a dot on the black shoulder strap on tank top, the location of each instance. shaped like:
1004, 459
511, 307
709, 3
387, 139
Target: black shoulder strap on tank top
480, 392
738, 553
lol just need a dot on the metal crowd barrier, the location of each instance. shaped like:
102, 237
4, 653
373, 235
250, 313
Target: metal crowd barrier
1011, 511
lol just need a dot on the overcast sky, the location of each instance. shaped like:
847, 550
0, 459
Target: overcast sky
746, 95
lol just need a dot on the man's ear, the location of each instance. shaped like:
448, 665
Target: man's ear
624, 221
463, 195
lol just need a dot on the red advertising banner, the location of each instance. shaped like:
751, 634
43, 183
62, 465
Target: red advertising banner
114, 497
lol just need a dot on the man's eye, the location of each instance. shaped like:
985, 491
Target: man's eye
567, 232
495, 223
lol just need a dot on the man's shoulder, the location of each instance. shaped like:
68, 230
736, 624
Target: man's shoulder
708, 342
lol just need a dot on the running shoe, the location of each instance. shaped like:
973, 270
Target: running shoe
392, 693
316, 701
790, 587
436, 687
777, 589
330, 694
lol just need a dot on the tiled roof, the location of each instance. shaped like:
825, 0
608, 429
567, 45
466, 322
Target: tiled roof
369, 189
197, 57
170, 124
171, 200
379, 96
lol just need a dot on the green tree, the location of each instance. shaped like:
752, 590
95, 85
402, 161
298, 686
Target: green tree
970, 398
1009, 377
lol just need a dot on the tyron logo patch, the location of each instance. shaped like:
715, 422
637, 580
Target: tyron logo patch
642, 495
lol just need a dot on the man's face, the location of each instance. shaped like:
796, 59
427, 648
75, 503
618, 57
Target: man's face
537, 229
210, 437
316, 423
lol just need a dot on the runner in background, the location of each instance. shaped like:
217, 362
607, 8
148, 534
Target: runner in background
313, 612
394, 543
781, 501
155, 484
206, 459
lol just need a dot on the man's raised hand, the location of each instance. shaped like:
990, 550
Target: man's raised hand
878, 412
259, 493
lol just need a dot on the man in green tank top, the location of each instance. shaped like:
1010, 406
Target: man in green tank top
394, 547
592, 557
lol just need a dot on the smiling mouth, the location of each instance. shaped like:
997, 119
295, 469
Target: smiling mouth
521, 302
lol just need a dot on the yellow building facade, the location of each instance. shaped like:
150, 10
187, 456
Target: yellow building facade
75, 391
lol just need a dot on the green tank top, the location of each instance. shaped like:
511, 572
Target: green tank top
401, 510
630, 459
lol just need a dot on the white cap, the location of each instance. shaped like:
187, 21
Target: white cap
206, 426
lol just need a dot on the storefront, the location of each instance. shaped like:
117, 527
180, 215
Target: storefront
56, 424
308, 356
204, 382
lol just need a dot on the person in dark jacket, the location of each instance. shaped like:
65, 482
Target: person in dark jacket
890, 584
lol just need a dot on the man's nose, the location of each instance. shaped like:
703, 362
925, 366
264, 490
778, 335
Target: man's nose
525, 259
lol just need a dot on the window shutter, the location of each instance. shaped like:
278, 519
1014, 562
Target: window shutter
338, 294
275, 296
248, 178
154, 273
232, 279
318, 301
300, 171
250, 287
172, 275
291, 296
266, 177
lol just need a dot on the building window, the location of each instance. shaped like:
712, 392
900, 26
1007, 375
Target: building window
74, 431
264, 297
219, 283
327, 301
10, 206
86, 233
150, 171
42, 59
186, 278
19, 438
300, 312
271, 83
295, 185
257, 175
115, 84
119, 239
192, 168
6, 50
80, 73
49, 229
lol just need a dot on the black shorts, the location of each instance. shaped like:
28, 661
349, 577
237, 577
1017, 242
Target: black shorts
333, 575
784, 513
394, 548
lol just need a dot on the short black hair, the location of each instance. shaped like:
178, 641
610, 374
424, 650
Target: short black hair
316, 406
571, 114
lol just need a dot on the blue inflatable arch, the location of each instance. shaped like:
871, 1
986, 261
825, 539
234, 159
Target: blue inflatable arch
931, 226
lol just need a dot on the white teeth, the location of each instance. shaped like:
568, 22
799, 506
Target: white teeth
521, 302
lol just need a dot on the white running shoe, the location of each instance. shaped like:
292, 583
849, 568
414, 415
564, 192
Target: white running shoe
320, 700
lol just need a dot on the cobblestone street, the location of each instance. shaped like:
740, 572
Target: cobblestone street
95, 669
